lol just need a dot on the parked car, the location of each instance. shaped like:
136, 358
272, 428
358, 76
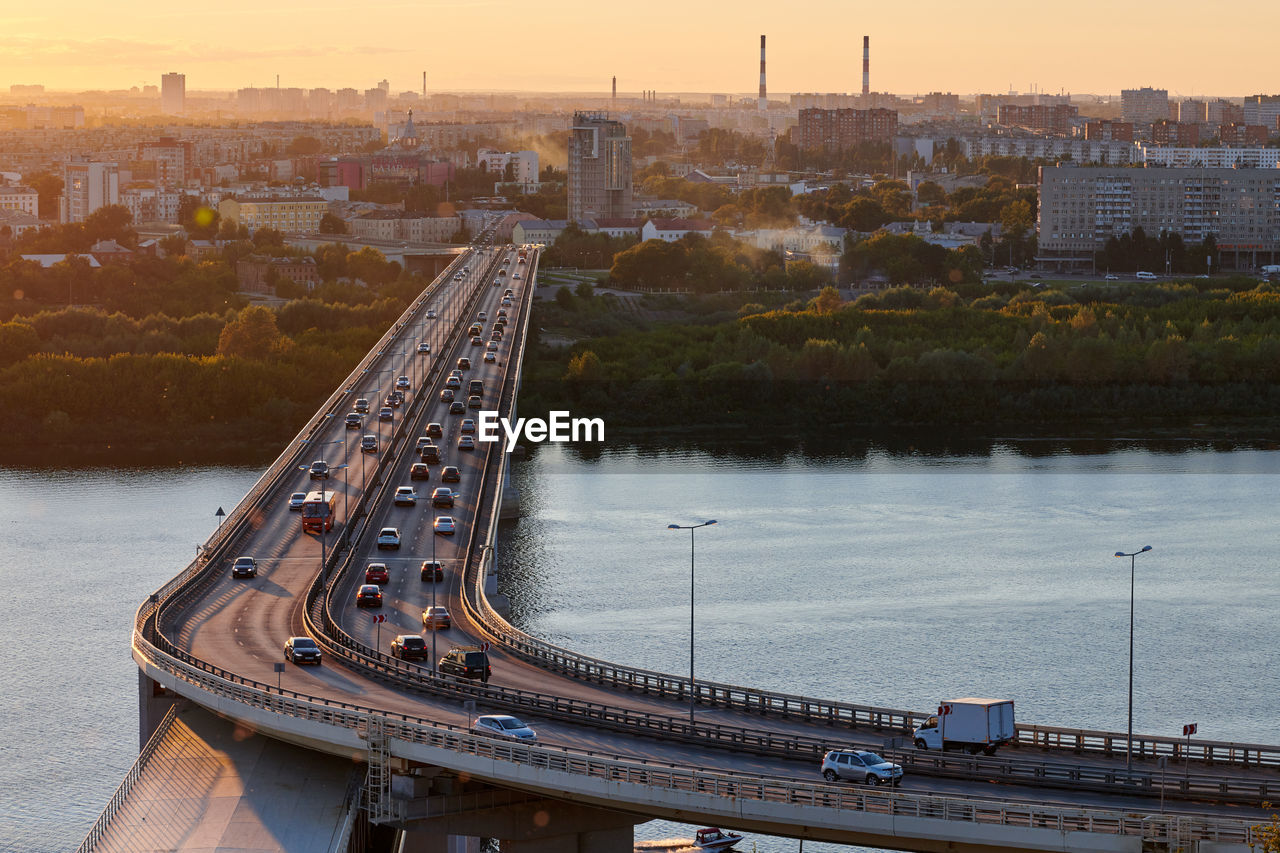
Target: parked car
858, 766
389, 538
377, 573
437, 618
300, 650
503, 726
432, 570
369, 595
409, 647
244, 567
466, 662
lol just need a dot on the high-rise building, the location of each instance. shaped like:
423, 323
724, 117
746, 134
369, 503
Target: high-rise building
1144, 106
88, 186
173, 94
840, 129
1263, 110
599, 168
1052, 119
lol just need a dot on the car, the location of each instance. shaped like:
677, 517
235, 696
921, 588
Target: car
466, 662
491, 346
362, 406
409, 647
508, 293
319, 470
446, 395
503, 726
1143, 275
432, 570
464, 363
244, 567
423, 441
497, 334
449, 474
386, 413
353, 420
435, 430
377, 573
490, 357
496, 282
394, 399
369, 443
419, 471
1111, 277
300, 650
442, 496
466, 442
468, 425
369, 595
456, 373
424, 348
430, 454
457, 407
444, 525
482, 316
474, 402
437, 618
517, 275
402, 381
389, 538
431, 313
856, 765
452, 383
405, 496
502, 314
297, 499
476, 341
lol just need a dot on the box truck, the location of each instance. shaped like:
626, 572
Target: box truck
972, 724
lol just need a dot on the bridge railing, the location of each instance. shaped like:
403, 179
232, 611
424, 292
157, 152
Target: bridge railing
121, 794
732, 788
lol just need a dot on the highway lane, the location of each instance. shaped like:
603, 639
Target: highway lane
242, 625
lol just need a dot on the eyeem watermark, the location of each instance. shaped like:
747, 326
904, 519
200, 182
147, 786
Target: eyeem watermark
560, 429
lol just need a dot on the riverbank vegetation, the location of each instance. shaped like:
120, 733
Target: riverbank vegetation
995, 355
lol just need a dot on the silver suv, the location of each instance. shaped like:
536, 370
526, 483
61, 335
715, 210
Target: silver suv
857, 766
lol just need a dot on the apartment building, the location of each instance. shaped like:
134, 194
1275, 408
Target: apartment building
1101, 130
290, 215
1081, 208
173, 94
17, 197
599, 168
839, 130
88, 186
1144, 106
1056, 119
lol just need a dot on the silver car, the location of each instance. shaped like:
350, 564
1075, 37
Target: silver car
859, 766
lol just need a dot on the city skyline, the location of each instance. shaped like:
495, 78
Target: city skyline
491, 45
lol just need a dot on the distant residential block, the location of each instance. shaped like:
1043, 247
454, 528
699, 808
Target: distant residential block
839, 130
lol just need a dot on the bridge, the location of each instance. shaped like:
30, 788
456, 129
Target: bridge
241, 750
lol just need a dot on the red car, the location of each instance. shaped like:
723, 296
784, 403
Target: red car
377, 573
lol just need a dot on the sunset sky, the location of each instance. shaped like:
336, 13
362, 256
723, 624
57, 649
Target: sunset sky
575, 45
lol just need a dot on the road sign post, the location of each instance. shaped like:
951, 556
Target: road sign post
378, 619
1187, 731
944, 711
221, 515
279, 667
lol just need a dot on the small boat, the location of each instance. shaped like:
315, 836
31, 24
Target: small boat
713, 838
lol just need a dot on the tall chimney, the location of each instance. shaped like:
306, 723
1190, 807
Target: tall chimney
424, 84
615, 87
866, 65
764, 99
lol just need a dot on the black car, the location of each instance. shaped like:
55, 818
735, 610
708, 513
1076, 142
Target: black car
244, 567
466, 662
409, 647
457, 407
369, 595
450, 474
301, 650
432, 570
430, 454
352, 421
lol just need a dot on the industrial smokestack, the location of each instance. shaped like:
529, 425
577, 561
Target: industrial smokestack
866, 65
615, 88
424, 84
764, 99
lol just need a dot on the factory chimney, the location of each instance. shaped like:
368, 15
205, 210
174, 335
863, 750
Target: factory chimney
866, 66
764, 99
615, 88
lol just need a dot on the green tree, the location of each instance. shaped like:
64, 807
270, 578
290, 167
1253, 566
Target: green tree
253, 334
332, 224
48, 187
827, 301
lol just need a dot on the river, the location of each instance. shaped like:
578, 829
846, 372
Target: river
872, 575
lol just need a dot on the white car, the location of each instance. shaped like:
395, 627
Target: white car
402, 382
490, 357
504, 726
297, 499
431, 313
424, 347
389, 537
405, 496
443, 525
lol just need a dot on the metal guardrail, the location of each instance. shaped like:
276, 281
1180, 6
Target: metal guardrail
664, 776
121, 794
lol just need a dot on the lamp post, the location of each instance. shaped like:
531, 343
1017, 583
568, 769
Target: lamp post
690, 528
1128, 746
433, 589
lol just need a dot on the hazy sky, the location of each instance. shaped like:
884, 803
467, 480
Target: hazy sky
668, 45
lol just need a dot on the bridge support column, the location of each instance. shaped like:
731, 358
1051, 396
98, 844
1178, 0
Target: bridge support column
415, 841
154, 701
621, 838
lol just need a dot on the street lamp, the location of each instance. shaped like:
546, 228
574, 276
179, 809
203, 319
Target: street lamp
1128, 747
690, 528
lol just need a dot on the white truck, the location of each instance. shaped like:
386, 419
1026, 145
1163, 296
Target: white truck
978, 725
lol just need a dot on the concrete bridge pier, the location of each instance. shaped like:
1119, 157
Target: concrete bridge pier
154, 701
529, 826
414, 841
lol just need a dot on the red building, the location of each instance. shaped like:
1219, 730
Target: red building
1243, 134
1180, 133
1108, 131
841, 129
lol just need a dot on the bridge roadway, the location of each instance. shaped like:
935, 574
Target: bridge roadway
240, 626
